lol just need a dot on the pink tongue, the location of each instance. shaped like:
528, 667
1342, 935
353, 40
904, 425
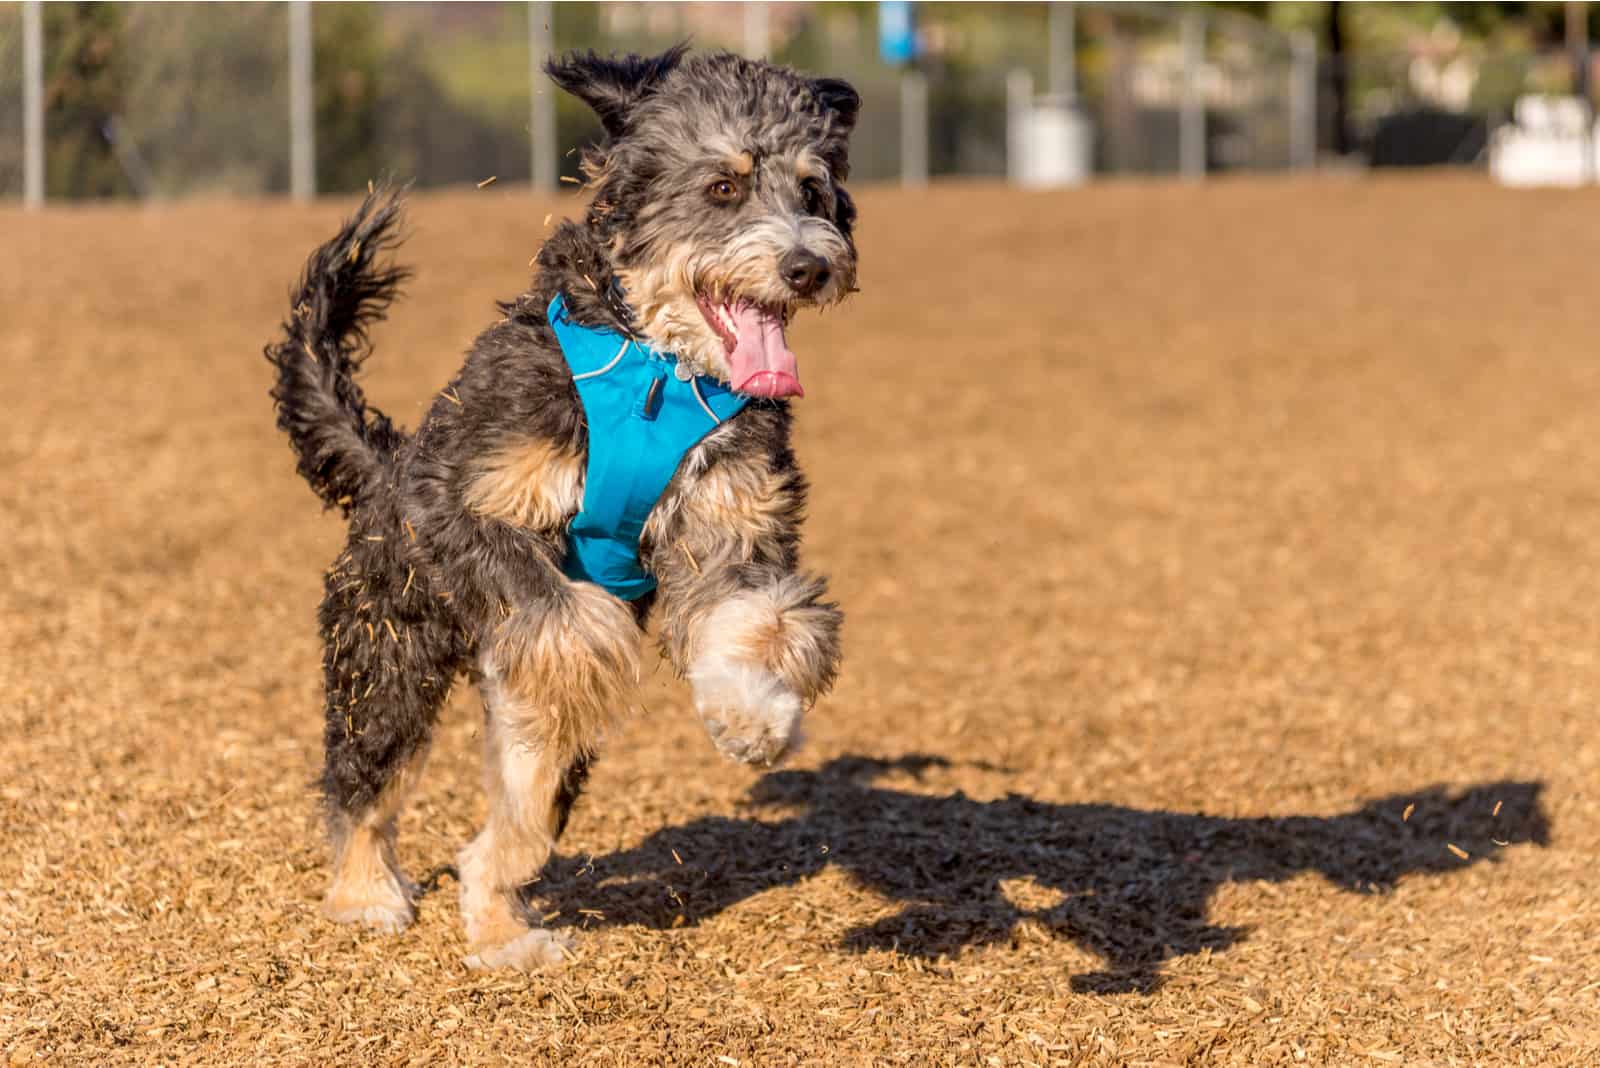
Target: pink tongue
761, 363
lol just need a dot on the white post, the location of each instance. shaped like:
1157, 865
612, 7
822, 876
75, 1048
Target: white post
1063, 79
757, 30
1019, 98
302, 104
1302, 100
913, 128
541, 95
32, 104
1192, 115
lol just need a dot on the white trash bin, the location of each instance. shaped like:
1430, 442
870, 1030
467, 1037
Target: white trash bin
1056, 145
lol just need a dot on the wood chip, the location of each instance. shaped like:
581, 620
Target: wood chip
487, 182
160, 649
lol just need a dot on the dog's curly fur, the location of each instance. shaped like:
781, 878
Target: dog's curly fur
453, 564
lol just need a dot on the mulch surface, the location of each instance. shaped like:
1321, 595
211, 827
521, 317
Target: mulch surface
1222, 570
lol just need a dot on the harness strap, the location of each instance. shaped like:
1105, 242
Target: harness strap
642, 420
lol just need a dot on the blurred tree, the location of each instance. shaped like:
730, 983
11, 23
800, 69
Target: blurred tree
351, 63
203, 105
85, 80
572, 26
394, 99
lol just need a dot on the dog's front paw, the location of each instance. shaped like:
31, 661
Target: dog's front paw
750, 714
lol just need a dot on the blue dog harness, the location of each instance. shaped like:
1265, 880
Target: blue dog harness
645, 412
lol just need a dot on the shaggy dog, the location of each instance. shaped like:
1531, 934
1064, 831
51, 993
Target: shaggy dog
717, 212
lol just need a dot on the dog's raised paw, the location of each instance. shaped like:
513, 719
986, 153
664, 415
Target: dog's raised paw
751, 716
529, 951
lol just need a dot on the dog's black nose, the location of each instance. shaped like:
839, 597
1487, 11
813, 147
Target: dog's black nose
806, 272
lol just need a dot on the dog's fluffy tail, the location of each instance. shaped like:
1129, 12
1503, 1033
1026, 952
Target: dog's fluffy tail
344, 446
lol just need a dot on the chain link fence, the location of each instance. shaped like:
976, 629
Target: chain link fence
173, 100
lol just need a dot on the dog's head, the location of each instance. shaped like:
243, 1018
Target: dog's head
718, 195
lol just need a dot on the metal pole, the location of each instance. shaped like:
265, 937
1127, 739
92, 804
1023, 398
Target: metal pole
1019, 97
1302, 100
541, 96
1063, 72
913, 128
1192, 115
302, 113
757, 30
32, 104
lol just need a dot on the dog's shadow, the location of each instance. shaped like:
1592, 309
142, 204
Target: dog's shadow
1131, 886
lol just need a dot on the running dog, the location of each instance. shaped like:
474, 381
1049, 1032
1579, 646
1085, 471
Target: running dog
619, 439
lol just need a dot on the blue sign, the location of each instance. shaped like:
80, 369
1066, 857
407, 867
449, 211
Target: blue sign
897, 32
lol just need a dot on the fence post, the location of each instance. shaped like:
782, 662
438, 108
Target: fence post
757, 31
1019, 98
32, 104
913, 128
541, 99
1192, 111
1063, 71
302, 104
1302, 100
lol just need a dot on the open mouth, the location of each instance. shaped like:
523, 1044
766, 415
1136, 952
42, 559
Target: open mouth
760, 362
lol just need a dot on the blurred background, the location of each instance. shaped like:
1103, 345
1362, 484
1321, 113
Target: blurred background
1192, 528
172, 100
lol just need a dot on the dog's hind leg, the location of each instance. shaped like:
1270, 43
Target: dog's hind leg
368, 885
389, 658
553, 677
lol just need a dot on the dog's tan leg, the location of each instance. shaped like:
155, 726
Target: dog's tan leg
551, 683
522, 781
756, 638
368, 886
758, 657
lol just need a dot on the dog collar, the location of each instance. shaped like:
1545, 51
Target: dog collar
644, 411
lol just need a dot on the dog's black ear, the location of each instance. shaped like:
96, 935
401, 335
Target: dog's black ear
613, 86
839, 97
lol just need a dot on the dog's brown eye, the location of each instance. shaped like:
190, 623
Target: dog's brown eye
811, 193
723, 191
